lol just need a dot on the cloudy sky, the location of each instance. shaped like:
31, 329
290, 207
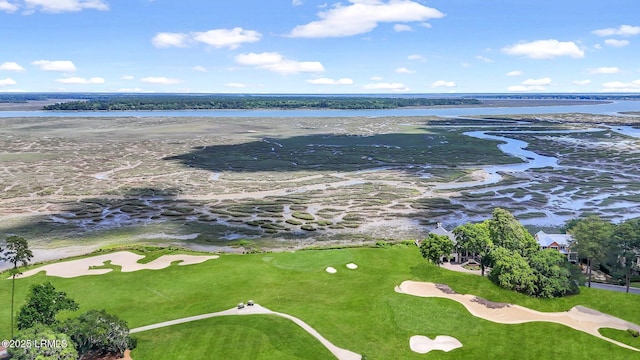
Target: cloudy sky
309, 46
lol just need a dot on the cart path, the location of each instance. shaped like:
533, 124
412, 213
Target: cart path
341, 354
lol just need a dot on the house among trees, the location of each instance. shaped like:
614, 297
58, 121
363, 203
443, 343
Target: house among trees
457, 255
560, 242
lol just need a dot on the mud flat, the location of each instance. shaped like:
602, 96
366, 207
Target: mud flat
289, 182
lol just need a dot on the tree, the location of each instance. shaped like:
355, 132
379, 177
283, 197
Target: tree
475, 238
43, 343
17, 253
625, 249
507, 232
99, 333
511, 271
43, 303
591, 236
553, 274
434, 247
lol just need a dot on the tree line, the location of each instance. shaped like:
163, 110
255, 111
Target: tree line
206, 102
612, 248
518, 263
516, 260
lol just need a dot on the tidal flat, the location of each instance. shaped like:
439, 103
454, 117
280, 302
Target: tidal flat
286, 183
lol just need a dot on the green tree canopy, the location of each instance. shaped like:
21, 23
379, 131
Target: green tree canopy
512, 271
476, 238
98, 332
591, 237
434, 247
507, 232
624, 250
43, 303
51, 345
553, 274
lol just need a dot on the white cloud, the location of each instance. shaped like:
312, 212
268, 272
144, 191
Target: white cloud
536, 82
79, 80
531, 85
362, 16
7, 82
160, 80
622, 30
465, 65
415, 57
484, 59
11, 66
59, 6
597, 46
404, 70
619, 86
275, 62
218, 38
199, 68
386, 86
515, 73
616, 43
296, 2
225, 38
605, 70
59, 65
128, 77
236, 85
327, 81
164, 40
376, 78
8, 7
442, 83
545, 49
402, 28
581, 82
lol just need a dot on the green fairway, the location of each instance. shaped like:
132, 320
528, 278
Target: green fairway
356, 309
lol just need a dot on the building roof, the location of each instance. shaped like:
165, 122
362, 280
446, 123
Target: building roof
439, 230
545, 239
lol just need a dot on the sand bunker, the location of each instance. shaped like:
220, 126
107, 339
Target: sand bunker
579, 317
340, 353
125, 259
352, 266
331, 270
422, 344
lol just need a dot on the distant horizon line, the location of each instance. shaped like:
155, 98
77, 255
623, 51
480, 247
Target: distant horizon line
632, 94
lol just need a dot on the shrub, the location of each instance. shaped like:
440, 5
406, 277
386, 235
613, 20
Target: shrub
302, 215
633, 332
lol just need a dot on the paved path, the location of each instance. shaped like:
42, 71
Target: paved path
618, 288
341, 354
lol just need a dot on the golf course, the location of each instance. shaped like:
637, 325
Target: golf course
357, 309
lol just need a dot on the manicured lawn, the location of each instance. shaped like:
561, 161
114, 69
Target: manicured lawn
355, 309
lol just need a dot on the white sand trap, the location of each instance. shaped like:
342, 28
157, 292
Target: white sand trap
422, 344
340, 353
126, 259
579, 317
352, 266
331, 270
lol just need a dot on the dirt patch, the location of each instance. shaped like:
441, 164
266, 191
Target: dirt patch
490, 304
445, 289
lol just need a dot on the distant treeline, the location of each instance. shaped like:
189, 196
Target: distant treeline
203, 102
594, 97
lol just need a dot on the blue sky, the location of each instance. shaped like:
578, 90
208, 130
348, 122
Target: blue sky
306, 46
